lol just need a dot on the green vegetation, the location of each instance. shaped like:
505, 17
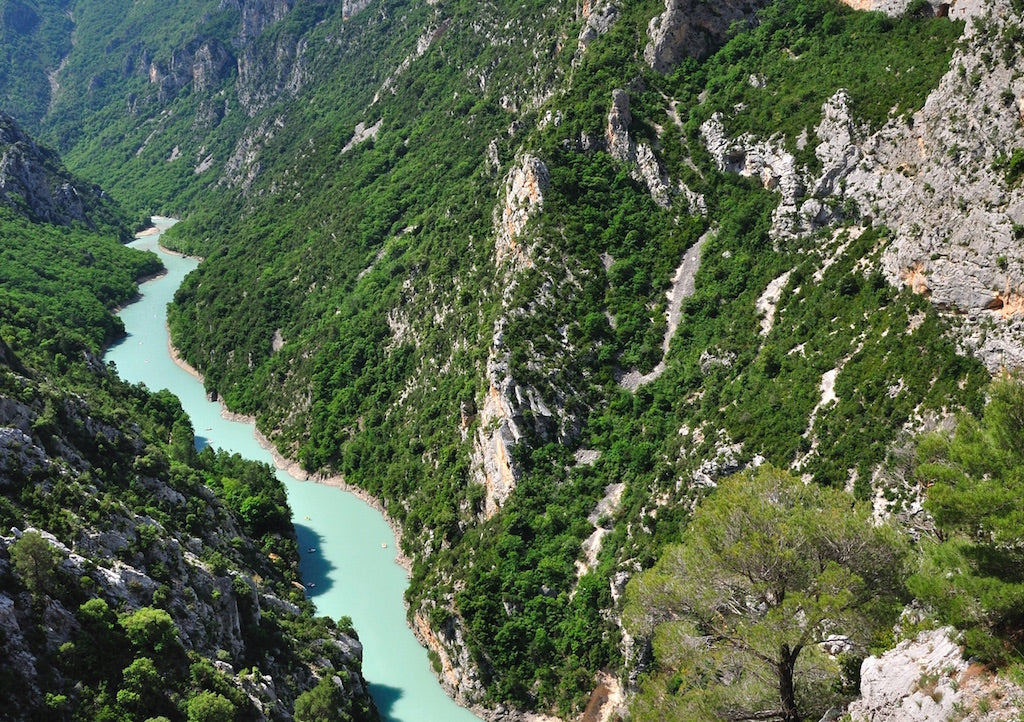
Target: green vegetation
322, 702
36, 561
770, 569
1012, 167
111, 471
351, 258
58, 286
972, 568
33, 42
352, 300
774, 79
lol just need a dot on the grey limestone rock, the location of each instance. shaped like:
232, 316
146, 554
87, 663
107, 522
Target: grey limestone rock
933, 178
644, 164
599, 16
927, 678
33, 180
691, 28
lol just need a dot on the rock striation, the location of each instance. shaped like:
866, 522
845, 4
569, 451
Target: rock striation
204, 63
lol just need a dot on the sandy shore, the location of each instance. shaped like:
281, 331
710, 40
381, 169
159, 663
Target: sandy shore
293, 467
155, 231
179, 254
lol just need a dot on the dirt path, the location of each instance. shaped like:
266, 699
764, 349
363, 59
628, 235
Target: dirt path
683, 286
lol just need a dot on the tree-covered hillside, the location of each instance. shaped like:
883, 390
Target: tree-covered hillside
538, 275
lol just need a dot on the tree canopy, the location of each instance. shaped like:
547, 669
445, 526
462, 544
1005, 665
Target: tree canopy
36, 560
771, 570
972, 571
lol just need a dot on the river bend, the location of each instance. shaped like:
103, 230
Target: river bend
347, 550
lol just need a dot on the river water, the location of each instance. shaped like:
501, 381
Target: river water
347, 549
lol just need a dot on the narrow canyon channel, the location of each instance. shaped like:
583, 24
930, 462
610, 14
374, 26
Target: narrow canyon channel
347, 549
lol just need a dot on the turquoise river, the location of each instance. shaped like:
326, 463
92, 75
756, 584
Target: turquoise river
348, 550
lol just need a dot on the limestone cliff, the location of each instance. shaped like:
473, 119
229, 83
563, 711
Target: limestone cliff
689, 28
524, 197
501, 411
935, 178
640, 157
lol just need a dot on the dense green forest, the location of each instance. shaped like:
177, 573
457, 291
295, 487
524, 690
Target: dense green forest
370, 295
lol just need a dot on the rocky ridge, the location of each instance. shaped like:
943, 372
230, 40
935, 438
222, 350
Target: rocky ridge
502, 412
33, 181
115, 551
639, 157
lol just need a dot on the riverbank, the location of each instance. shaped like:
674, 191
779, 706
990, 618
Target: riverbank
292, 466
151, 231
419, 624
138, 294
280, 461
156, 230
351, 571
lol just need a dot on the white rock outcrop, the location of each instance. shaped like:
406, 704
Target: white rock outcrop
934, 178
496, 435
598, 17
524, 198
914, 682
951, 8
765, 160
640, 157
926, 679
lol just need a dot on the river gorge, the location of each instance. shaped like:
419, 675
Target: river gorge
348, 551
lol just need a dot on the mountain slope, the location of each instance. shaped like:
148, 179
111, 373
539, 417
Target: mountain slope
447, 245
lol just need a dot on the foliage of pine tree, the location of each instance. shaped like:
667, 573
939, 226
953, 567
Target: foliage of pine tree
740, 614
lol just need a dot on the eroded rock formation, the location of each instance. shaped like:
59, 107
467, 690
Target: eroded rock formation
691, 28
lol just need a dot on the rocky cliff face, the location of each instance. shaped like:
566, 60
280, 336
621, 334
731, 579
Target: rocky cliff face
689, 28
33, 181
937, 179
502, 413
639, 157
203, 63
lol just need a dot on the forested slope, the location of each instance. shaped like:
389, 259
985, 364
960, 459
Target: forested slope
538, 275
